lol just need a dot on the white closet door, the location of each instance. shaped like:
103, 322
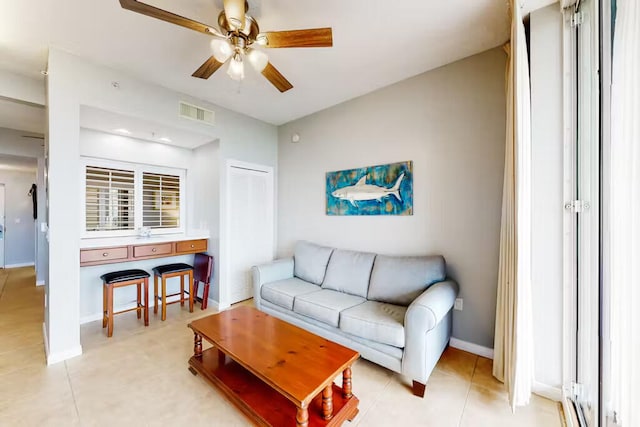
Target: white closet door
251, 231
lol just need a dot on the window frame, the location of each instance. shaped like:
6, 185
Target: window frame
138, 170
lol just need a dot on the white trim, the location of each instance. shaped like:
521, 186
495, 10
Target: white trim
98, 316
471, 348
64, 355
545, 390
46, 340
40, 283
20, 264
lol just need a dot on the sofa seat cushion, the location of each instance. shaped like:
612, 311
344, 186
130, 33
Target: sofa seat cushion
401, 279
325, 305
283, 292
310, 261
349, 271
375, 321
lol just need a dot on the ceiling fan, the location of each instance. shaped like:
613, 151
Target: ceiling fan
238, 38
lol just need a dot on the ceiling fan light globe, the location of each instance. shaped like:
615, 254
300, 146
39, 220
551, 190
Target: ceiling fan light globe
258, 59
221, 50
236, 68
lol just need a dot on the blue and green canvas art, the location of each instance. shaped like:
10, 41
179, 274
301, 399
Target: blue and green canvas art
372, 190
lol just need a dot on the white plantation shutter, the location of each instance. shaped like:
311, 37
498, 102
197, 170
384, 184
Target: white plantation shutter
160, 200
109, 200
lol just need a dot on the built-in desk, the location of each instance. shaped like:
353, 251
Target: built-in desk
114, 250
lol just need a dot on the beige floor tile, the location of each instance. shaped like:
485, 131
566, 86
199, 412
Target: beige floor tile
457, 363
139, 377
491, 408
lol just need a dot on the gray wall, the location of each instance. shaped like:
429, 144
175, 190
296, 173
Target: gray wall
451, 123
20, 241
547, 193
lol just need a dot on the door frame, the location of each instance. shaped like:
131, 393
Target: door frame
225, 224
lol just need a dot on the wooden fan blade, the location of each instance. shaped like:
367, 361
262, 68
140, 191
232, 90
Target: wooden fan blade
315, 37
154, 12
209, 67
276, 79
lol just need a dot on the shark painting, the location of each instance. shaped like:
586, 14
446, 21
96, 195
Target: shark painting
371, 190
362, 191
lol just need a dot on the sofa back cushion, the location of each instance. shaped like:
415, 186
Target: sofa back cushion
310, 261
349, 272
400, 280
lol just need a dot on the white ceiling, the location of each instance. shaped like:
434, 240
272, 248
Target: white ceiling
19, 116
376, 43
118, 124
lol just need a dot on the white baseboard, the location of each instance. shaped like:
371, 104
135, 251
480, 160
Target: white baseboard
20, 264
545, 390
471, 348
98, 316
40, 283
60, 356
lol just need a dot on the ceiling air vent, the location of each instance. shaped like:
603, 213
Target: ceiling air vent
191, 112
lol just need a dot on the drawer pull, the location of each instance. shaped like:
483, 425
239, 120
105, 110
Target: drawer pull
193, 246
105, 254
154, 250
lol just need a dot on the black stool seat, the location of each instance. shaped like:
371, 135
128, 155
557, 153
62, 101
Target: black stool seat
171, 268
124, 276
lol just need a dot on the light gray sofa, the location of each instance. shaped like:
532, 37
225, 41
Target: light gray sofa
395, 311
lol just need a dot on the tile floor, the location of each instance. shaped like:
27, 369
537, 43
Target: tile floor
140, 378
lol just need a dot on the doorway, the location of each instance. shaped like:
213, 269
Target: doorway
250, 222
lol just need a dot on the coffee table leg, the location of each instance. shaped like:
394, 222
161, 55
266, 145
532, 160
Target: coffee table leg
197, 345
327, 402
346, 383
302, 417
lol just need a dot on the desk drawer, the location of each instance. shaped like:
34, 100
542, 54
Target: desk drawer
142, 251
191, 246
103, 254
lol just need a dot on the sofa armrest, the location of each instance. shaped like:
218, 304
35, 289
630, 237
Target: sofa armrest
279, 269
425, 314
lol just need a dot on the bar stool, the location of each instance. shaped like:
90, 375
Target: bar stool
119, 279
166, 272
202, 269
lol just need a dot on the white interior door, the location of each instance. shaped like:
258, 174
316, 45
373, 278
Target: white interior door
2, 230
251, 229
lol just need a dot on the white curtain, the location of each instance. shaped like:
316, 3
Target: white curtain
625, 215
513, 346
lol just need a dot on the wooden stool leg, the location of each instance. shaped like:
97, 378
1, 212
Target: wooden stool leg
110, 311
146, 301
164, 298
139, 301
104, 305
155, 294
191, 296
182, 290
205, 296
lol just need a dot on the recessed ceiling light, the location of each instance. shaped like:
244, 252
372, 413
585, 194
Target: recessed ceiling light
122, 131
164, 139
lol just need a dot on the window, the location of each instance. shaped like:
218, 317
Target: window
120, 198
160, 200
109, 199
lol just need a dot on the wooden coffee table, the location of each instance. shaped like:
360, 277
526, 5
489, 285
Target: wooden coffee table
273, 371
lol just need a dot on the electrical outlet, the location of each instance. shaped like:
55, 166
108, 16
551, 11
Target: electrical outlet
458, 304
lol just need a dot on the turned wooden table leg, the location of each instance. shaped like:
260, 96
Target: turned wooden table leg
302, 417
346, 383
197, 345
327, 402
